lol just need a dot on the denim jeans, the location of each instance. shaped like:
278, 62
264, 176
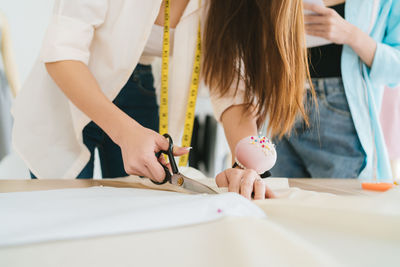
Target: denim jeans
330, 147
137, 99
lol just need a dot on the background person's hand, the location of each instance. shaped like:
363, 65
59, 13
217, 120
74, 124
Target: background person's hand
139, 145
328, 24
244, 182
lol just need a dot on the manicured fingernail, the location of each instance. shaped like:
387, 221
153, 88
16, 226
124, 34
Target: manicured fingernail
188, 148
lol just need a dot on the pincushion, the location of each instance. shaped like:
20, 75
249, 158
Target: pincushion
255, 152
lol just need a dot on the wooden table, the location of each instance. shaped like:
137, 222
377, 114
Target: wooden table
335, 186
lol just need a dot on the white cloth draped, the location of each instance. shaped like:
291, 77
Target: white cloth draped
125, 227
98, 211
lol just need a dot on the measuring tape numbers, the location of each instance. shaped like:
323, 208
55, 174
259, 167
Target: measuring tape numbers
194, 85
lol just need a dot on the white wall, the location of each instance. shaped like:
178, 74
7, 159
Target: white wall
28, 20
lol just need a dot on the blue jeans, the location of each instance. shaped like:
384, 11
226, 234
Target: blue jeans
137, 99
330, 147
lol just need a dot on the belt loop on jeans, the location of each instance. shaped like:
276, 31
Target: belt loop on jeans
307, 86
321, 84
317, 82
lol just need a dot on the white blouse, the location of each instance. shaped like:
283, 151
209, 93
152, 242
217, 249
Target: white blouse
110, 37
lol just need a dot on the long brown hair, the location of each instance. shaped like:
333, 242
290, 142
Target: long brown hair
262, 43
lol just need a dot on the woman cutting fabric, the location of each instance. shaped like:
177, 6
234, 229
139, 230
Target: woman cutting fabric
98, 53
349, 77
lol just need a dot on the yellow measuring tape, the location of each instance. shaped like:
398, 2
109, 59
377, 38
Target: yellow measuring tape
194, 85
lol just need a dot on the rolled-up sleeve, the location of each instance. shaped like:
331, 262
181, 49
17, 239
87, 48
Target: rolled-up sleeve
231, 98
71, 30
385, 68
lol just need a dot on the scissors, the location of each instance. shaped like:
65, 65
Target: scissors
178, 179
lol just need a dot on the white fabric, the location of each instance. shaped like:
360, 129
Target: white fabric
354, 230
233, 242
108, 36
97, 211
303, 228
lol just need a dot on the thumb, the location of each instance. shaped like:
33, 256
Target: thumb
179, 151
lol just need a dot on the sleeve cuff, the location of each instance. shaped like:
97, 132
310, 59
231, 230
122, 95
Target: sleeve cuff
382, 71
220, 104
67, 39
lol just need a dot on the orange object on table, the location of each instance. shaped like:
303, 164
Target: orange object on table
381, 187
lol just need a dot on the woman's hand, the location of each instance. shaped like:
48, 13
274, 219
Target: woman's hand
328, 24
245, 182
239, 123
139, 145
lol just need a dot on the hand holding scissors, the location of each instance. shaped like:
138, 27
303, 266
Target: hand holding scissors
178, 179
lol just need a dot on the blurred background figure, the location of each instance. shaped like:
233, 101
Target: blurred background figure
8, 86
345, 139
390, 119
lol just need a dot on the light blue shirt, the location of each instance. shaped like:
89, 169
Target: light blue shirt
364, 86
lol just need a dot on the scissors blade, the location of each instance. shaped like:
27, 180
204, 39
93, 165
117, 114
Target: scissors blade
191, 184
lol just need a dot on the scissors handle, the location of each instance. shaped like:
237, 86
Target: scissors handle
170, 154
167, 178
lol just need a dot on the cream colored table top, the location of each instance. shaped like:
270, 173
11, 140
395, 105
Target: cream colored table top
334, 186
346, 228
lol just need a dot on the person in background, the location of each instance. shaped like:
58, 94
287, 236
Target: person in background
9, 85
345, 139
93, 84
